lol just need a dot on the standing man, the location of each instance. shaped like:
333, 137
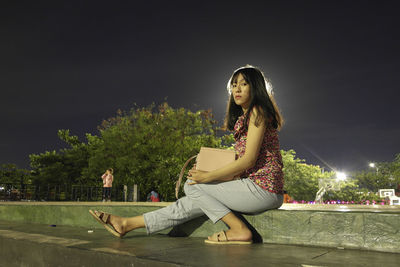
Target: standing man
107, 184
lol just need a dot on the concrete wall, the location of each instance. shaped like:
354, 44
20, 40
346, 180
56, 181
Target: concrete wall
360, 227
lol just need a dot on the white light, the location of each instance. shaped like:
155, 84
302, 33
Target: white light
340, 176
269, 88
372, 165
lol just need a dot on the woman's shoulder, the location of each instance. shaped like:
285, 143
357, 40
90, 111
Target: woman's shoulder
256, 114
254, 111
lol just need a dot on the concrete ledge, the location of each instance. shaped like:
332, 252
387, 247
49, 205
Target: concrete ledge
27, 244
361, 227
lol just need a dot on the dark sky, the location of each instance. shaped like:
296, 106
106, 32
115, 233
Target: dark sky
334, 66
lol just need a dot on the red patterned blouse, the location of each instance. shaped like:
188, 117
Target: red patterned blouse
267, 172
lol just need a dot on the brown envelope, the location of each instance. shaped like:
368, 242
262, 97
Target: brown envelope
210, 159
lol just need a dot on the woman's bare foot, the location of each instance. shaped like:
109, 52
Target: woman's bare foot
238, 230
118, 223
239, 235
124, 225
114, 221
236, 235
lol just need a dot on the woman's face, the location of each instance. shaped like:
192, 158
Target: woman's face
241, 92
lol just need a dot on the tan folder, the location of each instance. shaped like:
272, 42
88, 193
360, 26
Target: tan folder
210, 159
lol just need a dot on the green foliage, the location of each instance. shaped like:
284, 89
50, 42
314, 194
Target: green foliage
148, 147
301, 179
144, 146
394, 168
386, 175
364, 186
10, 173
63, 167
349, 191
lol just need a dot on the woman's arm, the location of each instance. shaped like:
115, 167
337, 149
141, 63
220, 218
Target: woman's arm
255, 137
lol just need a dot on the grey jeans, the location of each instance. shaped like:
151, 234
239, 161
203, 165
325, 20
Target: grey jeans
214, 200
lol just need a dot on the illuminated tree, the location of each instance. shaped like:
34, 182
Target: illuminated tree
148, 147
301, 179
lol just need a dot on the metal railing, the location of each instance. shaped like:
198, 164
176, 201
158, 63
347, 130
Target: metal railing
49, 192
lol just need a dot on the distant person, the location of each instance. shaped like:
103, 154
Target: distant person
108, 179
257, 185
153, 196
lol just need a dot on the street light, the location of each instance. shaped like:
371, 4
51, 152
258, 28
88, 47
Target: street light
341, 176
372, 165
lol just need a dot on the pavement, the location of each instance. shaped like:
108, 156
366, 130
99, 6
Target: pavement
26, 244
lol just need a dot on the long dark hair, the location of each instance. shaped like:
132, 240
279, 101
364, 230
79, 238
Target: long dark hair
261, 98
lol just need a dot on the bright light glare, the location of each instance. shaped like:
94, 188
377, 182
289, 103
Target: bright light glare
269, 88
340, 176
372, 165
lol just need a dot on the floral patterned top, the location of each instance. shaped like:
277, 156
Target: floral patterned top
267, 172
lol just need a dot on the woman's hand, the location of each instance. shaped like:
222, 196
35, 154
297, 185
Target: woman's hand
198, 177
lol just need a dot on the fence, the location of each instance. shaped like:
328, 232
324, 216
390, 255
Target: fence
29, 192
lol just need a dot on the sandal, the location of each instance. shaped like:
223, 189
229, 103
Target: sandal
221, 239
105, 222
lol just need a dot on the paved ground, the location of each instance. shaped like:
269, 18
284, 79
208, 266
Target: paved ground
46, 245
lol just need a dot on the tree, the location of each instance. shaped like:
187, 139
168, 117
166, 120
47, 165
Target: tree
62, 167
143, 146
301, 179
148, 147
386, 175
10, 173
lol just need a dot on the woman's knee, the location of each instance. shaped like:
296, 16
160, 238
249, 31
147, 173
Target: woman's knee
189, 189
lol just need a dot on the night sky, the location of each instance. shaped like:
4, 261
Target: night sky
334, 66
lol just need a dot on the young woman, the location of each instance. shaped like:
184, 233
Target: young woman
258, 184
